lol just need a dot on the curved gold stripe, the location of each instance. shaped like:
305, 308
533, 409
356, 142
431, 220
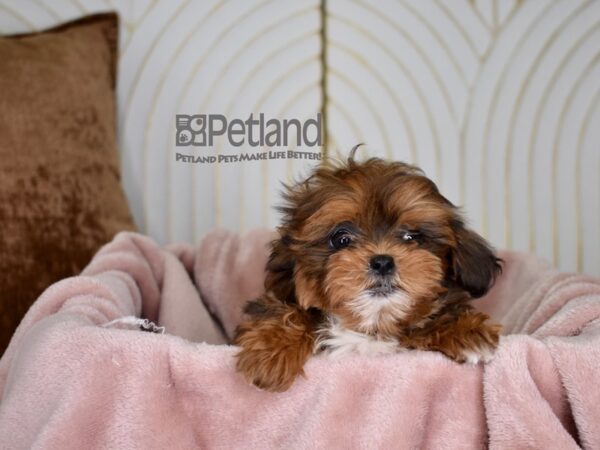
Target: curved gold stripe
264, 164
492, 112
403, 114
260, 64
187, 82
372, 109
210, 49
440, 40
422, 53
285, 46
17, 15
195, 69
483, 20
342, 153
193, 74
215, 7
259, 103
334, 144
80, 6
494, 105
290, 162
268, 28
135, 24
442, 5
150, 7
417, 89
349, 119
509, 150
46, 7
262, 100
536, 125
594, 103
468, 111
249, 77
197, 66
289, 166
557, 138
323, 59
142, 67
289, 178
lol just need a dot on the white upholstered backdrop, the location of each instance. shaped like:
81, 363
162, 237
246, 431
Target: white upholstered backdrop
498, 100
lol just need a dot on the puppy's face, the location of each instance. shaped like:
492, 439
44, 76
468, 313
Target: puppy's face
376, 246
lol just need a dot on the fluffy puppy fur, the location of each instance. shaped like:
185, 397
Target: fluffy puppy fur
371, 259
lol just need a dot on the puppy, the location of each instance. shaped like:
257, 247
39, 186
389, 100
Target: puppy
371, 259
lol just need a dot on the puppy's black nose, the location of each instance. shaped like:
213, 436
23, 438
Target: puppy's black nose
382, 264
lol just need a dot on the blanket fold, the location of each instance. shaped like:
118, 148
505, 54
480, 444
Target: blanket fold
70, 379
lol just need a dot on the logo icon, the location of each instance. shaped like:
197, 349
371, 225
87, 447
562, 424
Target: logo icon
191, 130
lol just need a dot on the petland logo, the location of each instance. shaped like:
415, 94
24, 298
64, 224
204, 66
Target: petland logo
201, 130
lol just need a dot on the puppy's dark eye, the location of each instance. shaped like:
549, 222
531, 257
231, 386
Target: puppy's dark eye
410, 235
340, 239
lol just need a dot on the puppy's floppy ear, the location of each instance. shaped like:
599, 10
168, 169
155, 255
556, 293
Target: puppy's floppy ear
474, 264
280, 270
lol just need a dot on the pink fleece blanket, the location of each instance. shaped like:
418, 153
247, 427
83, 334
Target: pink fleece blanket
74, 378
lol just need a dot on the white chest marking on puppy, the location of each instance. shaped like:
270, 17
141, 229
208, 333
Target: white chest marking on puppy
338, 341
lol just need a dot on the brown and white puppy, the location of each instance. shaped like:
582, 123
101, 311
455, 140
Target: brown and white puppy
371, 259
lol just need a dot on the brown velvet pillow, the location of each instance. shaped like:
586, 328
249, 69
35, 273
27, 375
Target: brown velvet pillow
60, 191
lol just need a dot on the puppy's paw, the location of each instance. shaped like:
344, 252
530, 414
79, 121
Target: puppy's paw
269, 369
274, 349
477, 345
